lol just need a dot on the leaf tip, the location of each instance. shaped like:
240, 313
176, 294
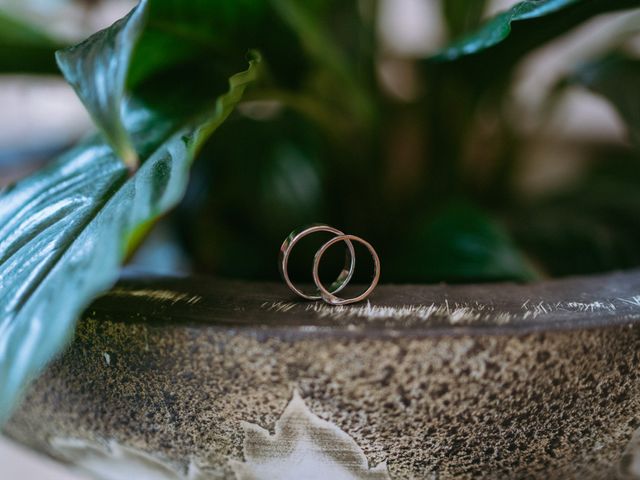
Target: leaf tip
131, 160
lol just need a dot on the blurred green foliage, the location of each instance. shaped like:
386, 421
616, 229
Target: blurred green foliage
429, 177
403, 174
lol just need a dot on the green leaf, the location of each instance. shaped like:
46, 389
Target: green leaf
527, 25
98, 68
24, 48
162, 49
499, 27
159, 51
65, 230
616, 77
459, 243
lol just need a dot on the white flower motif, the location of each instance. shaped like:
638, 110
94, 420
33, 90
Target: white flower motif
304, 447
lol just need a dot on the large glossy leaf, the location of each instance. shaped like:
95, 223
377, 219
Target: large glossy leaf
24, 48
65, 230
617, 78
499, 28
98, 69
163, 52
527, 25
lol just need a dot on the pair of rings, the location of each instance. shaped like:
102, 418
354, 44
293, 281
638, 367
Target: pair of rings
324, 293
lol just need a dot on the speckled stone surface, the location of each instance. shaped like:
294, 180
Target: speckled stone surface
495, 381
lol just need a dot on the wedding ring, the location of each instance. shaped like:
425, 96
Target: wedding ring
343, 278
329, 296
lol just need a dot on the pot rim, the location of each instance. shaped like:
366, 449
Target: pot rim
267, 309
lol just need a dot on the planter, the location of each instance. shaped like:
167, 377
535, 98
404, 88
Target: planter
201, 378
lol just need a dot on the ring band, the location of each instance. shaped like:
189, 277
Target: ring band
343, 278
329, 296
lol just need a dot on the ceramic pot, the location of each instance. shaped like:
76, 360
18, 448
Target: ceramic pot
200, 378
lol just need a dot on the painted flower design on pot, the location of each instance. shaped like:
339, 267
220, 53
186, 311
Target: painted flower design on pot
303, 447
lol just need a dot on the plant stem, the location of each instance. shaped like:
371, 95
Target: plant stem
320, 45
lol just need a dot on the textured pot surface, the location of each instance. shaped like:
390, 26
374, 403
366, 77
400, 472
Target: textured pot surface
200, 378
